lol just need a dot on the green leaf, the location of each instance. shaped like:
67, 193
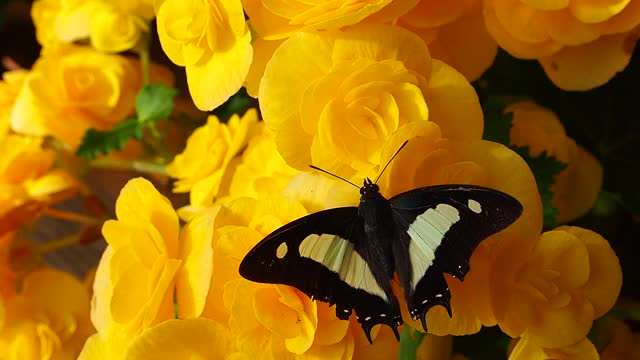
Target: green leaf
544, 168
96, 142
497, 124
410, 340
155, 102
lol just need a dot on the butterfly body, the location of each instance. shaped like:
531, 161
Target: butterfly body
348, 256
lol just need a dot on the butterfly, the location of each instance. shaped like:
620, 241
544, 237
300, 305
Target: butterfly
348, 256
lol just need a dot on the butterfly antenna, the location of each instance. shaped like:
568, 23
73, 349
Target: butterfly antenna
334, 175
390, 160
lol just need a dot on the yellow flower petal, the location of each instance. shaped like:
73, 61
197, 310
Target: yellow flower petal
140, 202
194, 277
453, 103
605, 274
590, 11
214, 80
586, 66
176, 339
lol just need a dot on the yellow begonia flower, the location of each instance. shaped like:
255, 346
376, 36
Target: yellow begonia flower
212, 41
527, 349
580, 44
71, 89
148, 262
202, 169
576, 188
9, 88
275, 321
335, 106
27, 181
428, 159
262, 171
182, 339
112, 26
453, 30
552, 292
47, 319
277, 19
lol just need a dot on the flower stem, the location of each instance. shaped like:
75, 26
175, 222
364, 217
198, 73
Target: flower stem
138, 165
57, 244
71, 216
410, 340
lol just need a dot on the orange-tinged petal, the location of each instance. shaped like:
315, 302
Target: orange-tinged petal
547, 4
605, 274
194, 277
456, 40
520, 20
595, 11
586, 183
512, 44
434, 13
176, 339
527, 348
586, 66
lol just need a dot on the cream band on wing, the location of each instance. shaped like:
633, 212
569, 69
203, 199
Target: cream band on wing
427, 232
339, 256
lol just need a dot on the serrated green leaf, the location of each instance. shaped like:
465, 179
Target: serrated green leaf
545, 168
155, 102
497, 124
96, 142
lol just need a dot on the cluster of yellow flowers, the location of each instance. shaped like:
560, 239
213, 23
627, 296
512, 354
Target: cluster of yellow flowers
341, 85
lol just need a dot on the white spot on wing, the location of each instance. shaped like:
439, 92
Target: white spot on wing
281, 251
427, 232
339, 256
474, 206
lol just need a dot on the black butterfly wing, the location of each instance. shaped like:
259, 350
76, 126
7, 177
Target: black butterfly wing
320, 255
437, 230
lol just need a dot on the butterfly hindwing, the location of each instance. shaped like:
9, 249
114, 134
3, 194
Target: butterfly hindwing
319, 255
437, 230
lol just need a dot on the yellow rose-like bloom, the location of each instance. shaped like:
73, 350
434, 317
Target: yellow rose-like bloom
552, 292
580, 44
275, 321
203, 167
576, 188
47, 319
428, 159
9, 88
73, 88
278, 19
148, 262
262, 171
453, 30
27, 180
527, 349
335, 106
212, 41
112, 26
182, 339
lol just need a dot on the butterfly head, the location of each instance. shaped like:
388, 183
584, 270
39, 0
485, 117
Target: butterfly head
369, 187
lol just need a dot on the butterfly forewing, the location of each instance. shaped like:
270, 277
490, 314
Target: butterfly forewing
318, 254
437, 230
